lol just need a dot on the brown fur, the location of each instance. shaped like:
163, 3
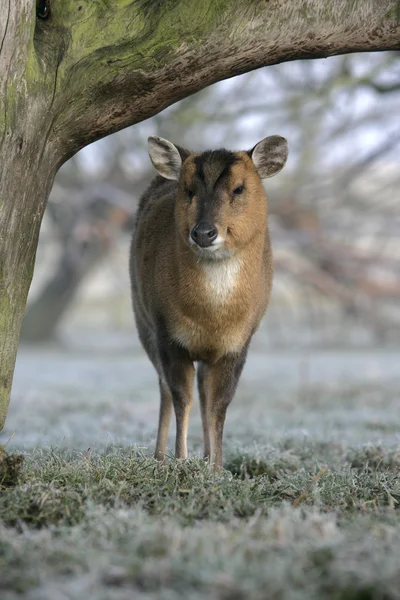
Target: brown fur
183, 311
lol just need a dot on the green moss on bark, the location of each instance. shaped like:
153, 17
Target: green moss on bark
102, 42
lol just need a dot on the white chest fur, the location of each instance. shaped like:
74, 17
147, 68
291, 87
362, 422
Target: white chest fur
220, 278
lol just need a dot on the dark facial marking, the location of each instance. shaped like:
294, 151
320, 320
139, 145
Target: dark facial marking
212, 167
199, 168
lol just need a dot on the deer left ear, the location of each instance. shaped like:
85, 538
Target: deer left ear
270, 155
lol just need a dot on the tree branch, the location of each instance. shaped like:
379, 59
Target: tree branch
382, 88
117, 67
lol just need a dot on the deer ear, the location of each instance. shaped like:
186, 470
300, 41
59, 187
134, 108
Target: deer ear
270, 155
166, 158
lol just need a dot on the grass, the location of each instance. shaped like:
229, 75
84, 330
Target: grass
306, 508
266, 527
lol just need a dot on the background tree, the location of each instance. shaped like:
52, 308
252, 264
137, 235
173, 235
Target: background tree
74, 72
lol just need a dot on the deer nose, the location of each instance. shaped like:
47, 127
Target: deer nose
203, 234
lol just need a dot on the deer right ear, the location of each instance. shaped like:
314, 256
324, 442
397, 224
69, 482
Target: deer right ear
165, 157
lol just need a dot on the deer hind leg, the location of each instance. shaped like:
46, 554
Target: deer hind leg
204, 406
149, 343
179, 374
164, 420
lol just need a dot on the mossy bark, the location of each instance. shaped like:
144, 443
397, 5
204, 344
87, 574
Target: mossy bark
19, 225
92, 68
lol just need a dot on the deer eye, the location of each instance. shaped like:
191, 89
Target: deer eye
238, 190
189, 194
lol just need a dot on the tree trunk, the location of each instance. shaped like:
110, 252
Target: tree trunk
26, 177
20, 219
88, 69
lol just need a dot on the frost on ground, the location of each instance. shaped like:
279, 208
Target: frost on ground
307, 507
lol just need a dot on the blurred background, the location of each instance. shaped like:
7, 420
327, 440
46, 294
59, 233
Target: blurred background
334, 210
334, 221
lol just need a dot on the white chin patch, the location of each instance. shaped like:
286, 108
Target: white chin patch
214, 252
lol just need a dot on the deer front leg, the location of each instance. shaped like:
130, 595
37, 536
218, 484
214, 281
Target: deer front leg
220, 382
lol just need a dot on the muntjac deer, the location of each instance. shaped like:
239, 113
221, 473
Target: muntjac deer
201, 273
